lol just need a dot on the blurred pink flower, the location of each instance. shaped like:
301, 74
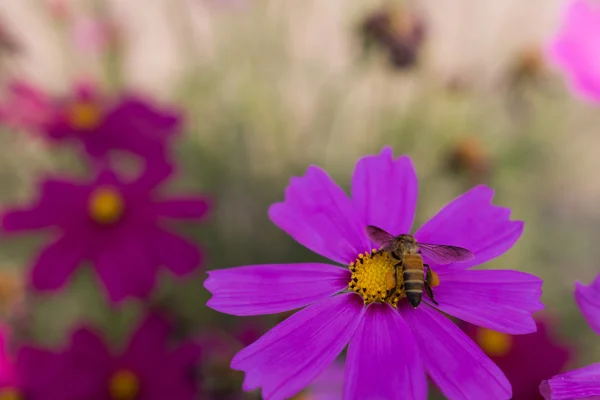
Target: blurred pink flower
92, 35
9, 382
327, 386
148, 368
25, 107
583, 382
574, 48
526, 360
117, 225
100, 124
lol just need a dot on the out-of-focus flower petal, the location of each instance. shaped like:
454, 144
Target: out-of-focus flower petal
182, 208
320, 216
329, 385
56, 262
385, 191
582, 383
472, 222
500, 300
292, 354
86, 345
588, 300
273, 288
453, 361
574, 48
148, 344
383, 359
127, 268
176, 253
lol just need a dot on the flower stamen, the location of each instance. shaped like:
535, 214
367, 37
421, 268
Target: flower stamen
106, 205
84, 115
493, 343
124, 385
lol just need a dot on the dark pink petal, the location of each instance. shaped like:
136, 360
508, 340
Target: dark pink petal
385, 191
154, 175
176, 253
126, 267
582, 383
273, 288
43, 374
292, 354
383, 360
501, 300
88, 345
60, 202
588, 300
320, 216
472, 222
147, 345
453, 361
182, 208
56, 262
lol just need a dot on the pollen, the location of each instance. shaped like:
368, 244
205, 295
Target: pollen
124, 385
106, 205
373, 278
84, 115
10, 393
493, 343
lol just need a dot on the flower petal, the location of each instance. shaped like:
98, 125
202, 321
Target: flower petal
183, 208
320, 216
273, 288
500, 300
176, 253
578, 384
56, 262
588, 300
151, 333
292, 354
385, 191
453, 361
383, 359
472, 222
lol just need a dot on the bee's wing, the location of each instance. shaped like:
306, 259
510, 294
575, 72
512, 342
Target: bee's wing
444, 254
380, 237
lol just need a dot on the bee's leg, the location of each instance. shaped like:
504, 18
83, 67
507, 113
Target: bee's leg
395, 256
394, 290
428, 278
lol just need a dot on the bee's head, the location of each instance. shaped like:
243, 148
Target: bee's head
408, 243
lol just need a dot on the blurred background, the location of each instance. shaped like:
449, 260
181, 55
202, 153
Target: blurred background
270, 87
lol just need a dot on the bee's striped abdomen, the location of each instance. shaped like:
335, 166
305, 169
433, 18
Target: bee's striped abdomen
412, 273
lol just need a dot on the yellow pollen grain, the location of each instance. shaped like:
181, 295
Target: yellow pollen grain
493, 343
435, 278
106, 205
84, 115
370, 274
10, 393
124, 385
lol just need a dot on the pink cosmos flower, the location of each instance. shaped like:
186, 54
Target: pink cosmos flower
584, 382
525, 359
25, 107
390, 348
101, 125
120, 226
149, 367
92, 34
574, 49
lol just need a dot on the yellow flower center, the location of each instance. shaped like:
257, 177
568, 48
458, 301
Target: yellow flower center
10, 393
493, 343
124, 385
84, 115
106, 205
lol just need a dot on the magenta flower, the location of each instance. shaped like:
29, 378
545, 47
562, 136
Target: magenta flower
575, 49
10, 384
327, 386
583, 382
129, 124
526, 360
25, 107
390, 348
119, 226
148, 368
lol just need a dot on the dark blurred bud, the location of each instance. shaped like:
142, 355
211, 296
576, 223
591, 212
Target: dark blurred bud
8, 43
470, 158
527, 66
399, 32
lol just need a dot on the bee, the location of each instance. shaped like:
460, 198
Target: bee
416, 275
